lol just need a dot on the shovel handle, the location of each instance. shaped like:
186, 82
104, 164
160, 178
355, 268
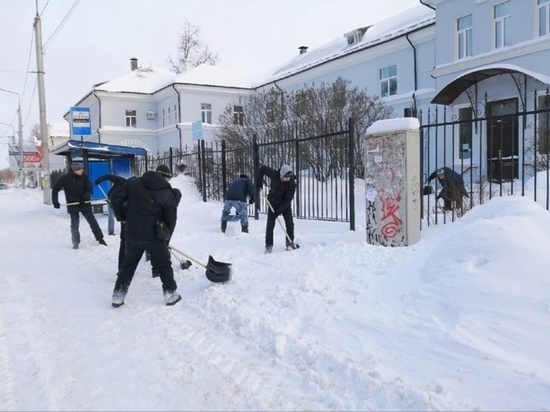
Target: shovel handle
278, 221
77, 203
187, 256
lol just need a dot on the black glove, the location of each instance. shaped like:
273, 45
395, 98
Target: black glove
56, 205
97, 181
251, 201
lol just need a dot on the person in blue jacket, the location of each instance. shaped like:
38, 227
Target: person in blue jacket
237, 197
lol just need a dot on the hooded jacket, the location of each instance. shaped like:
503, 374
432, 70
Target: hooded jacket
280, 193
77, 189
141, 202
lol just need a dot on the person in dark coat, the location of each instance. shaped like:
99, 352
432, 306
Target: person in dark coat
141, 203
78, 189
281, 193
236, 197
115, 182
453, 189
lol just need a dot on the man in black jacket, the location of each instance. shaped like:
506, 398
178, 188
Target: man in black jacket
452, 187
78, 189
281, 193
116, 182
141, 203
236, 197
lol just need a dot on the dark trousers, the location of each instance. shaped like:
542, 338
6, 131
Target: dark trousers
133, 252
75, 223
122, 247
289, 224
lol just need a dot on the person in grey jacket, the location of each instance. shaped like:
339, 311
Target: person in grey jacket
236, 197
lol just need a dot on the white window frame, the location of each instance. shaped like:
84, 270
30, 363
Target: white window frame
461, 149
388, 80
464, 39
206, 113
131, 118
176, 120
502, 25
543, 14
238, 115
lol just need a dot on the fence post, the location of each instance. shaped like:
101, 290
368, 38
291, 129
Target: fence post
351, 174
202, 169
297, 168
224, 169
256, 163
392, 163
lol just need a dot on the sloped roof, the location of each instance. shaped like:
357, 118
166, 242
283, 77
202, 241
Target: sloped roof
455, 88
147, 79
208, 75
395, 26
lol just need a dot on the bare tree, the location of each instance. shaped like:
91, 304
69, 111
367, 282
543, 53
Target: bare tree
311, 111
191, 51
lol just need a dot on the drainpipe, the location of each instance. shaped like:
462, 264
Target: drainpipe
179, 115
282, 99
415, 73
427, 5
99, 107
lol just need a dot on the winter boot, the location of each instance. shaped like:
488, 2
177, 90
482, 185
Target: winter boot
244, 229
171, 298
268, 249
224, 225
102, 242
118, 297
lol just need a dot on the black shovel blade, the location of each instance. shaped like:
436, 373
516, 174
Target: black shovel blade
218, 272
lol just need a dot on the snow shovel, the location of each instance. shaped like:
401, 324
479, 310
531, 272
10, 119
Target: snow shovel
184, 264
290, 242
217, 272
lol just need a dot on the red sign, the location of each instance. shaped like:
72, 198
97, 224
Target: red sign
32, 157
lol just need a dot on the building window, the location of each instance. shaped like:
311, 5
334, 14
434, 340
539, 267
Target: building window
131, 118
169, 116
238, 115
501, 15
163, 118
465, 133
176, 119
464, 34
543, 123
388, 81
206, 113
544, 17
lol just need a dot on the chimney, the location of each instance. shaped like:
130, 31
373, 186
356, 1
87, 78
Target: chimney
303, 49
133, 63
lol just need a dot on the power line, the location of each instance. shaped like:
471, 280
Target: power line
60, 25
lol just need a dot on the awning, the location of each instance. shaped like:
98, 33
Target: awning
76, 148
449, 93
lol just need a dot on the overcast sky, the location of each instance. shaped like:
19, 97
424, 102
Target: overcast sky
95, 41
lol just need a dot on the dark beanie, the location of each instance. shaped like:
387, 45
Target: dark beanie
76, 166
243, 176
164, 170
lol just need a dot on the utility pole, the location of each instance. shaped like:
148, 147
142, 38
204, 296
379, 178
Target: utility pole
21, 160
45, 151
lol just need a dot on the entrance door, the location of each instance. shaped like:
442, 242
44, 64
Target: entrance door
502, 140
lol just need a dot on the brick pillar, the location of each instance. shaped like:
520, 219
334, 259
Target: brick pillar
392, 182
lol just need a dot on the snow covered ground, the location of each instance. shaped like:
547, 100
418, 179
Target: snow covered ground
459, 321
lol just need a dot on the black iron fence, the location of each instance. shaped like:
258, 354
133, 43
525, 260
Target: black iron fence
323, 164
500, 150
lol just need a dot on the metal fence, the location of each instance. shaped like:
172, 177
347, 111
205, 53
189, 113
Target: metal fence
323, 165
500, 150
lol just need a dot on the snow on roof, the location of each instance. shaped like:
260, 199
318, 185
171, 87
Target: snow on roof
145, 79
206, 74
393, 125
395, 26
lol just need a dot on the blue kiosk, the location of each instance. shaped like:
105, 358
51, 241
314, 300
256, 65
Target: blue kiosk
99, 159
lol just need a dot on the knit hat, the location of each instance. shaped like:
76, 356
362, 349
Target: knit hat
164, 170
285, 169
243, 177
441, 172
76, 166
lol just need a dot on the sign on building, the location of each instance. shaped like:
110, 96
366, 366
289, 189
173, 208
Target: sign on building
196, 129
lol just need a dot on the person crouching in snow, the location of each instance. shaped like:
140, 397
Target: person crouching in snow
236, 198
452, 187
281, 192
